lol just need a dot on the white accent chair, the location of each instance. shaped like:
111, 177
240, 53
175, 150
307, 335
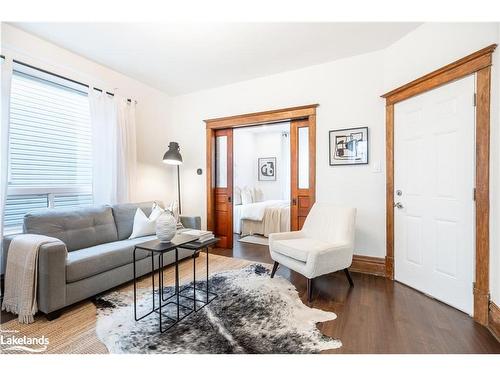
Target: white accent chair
325, 244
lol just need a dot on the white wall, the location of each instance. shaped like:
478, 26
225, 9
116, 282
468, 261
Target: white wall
248, 147
348, 93
430, 47
243, 159
153, 106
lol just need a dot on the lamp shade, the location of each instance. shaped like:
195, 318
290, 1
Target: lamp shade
173, 156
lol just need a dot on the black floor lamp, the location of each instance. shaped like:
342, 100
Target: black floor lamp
173, 157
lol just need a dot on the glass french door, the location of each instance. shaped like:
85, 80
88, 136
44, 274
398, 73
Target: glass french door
303, 176
224, 187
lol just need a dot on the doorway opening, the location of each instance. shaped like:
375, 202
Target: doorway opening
261, 182
261, 173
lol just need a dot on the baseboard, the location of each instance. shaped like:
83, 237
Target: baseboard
494, 320
365, 264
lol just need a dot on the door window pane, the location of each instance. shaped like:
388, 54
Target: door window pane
221, 162
303, 158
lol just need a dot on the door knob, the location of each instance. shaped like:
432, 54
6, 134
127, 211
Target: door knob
398, 205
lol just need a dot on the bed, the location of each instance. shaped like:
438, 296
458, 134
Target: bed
262, 218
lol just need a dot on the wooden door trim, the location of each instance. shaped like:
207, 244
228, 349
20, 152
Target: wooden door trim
256, 118
480, 63
457, 69
249, 119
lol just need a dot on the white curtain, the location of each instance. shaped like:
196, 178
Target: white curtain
6, 79
114, 148
126, 149
103, 118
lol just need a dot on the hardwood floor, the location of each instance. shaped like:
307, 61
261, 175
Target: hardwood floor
375, 316
382, 316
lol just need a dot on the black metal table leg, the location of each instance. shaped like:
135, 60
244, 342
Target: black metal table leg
194, 281
177, 279
174, 299
135, 288
153, 277
206, 248
160, 287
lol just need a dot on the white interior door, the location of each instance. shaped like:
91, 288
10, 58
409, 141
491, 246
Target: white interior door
434, 189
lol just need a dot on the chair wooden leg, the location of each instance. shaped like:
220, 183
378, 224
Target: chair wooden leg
275, 268
309, 289
348, 275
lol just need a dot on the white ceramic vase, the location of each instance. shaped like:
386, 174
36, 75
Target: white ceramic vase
166, 226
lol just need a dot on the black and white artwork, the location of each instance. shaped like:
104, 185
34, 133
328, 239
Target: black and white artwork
267, 169
349, 146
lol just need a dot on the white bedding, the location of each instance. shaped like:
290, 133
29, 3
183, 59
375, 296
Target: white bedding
262, 217
256, 211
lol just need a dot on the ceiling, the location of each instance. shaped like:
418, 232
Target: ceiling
182, 58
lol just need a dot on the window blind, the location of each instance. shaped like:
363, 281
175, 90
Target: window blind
50, 134
50, 148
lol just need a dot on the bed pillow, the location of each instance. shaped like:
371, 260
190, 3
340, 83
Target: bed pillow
237, 196
143, 225
258, 195
246, 196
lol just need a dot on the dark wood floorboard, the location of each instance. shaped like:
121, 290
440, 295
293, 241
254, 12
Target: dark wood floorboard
382, 316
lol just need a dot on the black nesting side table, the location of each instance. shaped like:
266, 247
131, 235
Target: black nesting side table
156, 247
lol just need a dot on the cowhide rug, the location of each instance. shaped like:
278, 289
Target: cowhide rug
252, 314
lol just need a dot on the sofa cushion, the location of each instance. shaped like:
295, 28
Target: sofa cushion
94, 260
299, 248
124, 216
78, 228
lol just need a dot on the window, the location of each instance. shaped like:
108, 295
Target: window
50, 149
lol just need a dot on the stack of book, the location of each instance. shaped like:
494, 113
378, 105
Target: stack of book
203, 235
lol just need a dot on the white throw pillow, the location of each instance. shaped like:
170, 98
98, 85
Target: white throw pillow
246, 196
258, 195
237, 196
143, 225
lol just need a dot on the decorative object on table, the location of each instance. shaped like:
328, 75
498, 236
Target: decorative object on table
166, 226
203, 235
267, 169
252, 314
143, 225
348, 146
174, 157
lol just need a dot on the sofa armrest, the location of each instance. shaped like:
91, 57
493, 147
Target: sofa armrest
52, 276
5, 249
191, 222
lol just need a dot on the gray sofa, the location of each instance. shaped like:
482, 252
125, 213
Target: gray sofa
95, 254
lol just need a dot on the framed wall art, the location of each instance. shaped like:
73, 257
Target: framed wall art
348, 146
267, 169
